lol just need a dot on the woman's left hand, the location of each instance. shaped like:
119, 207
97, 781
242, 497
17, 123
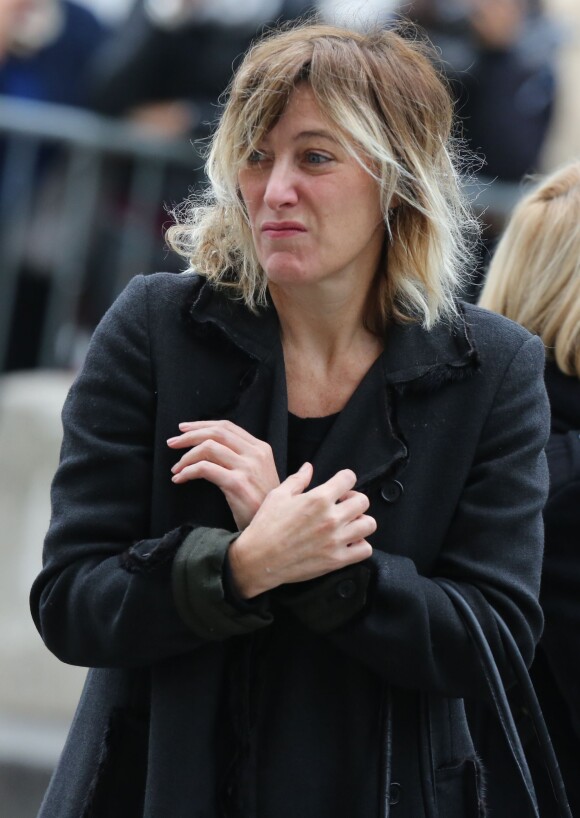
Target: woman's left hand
241, 465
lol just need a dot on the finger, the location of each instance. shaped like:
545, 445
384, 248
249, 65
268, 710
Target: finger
358, 551
337, 486
352, 507
360, 529
233, 428
205, 470
211, 451
296, 483
218, 433
348, 494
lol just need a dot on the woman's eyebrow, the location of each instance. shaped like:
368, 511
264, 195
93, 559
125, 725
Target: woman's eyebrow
316, 135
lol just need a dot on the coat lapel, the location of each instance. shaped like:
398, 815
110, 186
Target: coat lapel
422, 360
363, 437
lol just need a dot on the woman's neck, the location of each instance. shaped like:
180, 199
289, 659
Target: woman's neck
327, 349
321, 323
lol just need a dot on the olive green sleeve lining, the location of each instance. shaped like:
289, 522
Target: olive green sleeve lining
198, 590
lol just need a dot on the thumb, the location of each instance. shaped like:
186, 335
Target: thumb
300, 480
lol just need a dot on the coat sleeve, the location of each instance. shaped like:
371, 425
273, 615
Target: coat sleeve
108, 594
401, 623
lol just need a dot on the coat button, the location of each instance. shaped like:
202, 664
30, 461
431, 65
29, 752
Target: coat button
346, 589
394, 793
392, 491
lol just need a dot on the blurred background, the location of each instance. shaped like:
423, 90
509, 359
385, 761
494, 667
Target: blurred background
104, 107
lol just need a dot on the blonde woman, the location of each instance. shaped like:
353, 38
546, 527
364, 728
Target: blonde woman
534, 279
270, 460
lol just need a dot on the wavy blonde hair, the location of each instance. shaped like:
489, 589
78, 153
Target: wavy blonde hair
391, 110
534, 276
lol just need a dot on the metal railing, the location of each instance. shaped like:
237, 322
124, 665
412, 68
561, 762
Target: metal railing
80, 197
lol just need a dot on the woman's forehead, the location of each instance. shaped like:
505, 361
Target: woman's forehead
303, 116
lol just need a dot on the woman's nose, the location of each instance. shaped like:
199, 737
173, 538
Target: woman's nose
281, 188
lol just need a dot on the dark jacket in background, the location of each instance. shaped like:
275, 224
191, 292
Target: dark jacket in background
556, 668
504, 96
197, 707
144, 63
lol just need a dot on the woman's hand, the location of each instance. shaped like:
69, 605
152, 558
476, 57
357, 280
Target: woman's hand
241, 465
298, 535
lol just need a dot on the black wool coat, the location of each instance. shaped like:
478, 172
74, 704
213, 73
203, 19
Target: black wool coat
198, 706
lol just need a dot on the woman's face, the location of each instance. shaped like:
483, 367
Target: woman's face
314, 210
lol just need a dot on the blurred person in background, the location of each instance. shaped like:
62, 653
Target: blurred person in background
534, 279
45, 50
46, 47
499, 57
167, 65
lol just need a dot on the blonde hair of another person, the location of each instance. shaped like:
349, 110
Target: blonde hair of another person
534, 277
390, 109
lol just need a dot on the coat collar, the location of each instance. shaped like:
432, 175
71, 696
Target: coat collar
413, 356
422, 360
414, 360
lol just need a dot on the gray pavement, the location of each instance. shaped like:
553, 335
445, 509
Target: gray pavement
38, 693
21, 790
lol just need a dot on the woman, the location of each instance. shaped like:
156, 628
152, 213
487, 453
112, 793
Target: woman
534, 278
266, 630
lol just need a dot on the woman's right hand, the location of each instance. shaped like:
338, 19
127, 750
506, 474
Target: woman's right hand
297, 535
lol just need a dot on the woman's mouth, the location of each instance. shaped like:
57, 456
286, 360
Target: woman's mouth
282, 230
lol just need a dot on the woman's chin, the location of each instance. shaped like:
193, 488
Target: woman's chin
288, 275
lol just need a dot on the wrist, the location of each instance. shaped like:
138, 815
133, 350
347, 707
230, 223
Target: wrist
245, 577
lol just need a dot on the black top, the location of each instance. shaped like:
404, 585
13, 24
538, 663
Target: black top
304, 438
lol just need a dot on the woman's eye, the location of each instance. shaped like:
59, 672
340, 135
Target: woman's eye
314, 158
255, 157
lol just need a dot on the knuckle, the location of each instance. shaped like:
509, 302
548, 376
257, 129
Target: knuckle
364, 502
327, 529
265, 452
236, 482
349, 475
338, 557
371, 524
318, 503
332, 541
201, 449
211, 446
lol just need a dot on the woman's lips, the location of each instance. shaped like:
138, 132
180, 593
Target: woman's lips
282, 230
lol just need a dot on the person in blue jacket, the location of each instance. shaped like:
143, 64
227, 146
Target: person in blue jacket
46, 48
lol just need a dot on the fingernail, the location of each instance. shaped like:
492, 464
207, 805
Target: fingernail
171, 440
174, 478
183, 425
174, 469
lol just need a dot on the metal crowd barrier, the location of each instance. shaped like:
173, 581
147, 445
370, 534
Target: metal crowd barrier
60, 169
60, 223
